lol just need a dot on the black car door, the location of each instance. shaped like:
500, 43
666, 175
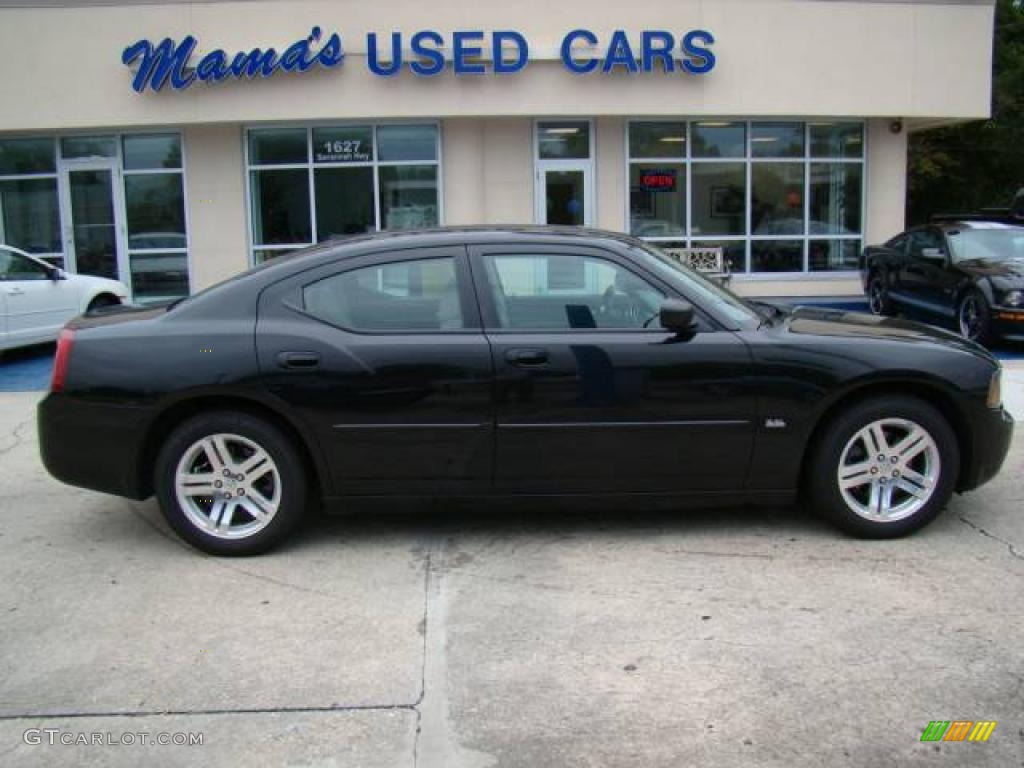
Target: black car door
383, 358
925, 271
591, 395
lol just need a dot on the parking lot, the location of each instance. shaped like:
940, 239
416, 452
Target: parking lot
478, 637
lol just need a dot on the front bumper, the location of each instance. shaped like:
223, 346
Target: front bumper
992, 434
94, 445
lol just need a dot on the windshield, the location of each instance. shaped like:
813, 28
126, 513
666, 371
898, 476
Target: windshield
704, 292
998, 243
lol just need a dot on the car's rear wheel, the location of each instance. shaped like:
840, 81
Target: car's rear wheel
883, 468
230, 483
975, 318
878, 296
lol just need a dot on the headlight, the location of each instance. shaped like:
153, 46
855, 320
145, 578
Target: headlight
995, 389
1013, 298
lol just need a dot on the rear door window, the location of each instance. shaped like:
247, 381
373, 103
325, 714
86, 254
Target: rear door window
415, 295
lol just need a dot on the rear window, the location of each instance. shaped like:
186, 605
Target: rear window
421, 295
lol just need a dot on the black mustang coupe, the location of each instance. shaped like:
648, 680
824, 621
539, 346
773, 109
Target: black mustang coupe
529, 362
968, 271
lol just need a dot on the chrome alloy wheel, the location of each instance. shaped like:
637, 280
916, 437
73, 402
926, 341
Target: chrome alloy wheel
970, 318
889, 470
228, 486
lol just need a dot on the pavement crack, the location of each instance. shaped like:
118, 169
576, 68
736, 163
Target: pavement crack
427, 576
18, 438
988, 534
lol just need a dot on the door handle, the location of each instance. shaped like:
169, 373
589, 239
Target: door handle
301, 361
526, 358
15, 291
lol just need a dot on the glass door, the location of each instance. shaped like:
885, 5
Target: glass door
564, 195
92, 219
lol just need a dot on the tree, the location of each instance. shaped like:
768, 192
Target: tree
975, 165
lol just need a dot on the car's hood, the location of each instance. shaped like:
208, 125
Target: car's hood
838, 323
1013, 269
100, 283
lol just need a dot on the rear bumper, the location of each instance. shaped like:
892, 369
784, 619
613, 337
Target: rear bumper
993, 432
93, 445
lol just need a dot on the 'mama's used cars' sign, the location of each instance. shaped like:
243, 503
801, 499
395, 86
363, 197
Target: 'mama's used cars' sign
429, 53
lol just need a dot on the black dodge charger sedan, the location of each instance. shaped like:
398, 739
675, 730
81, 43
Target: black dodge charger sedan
970, 271
520, 361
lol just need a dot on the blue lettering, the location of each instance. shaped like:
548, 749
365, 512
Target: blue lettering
657, 46
297, 57
698, 59
166, 60
373, 59
501, 66
619, 53
331, 55
213, 66
254, 62
462, 53
431, 61
579, 67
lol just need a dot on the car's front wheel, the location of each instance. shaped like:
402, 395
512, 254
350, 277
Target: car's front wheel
883, 468
230, 483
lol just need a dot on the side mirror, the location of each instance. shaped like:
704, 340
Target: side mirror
56, 273
933, 254
678, 316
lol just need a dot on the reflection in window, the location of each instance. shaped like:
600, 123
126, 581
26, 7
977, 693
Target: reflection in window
719, 198
778, 199
88, 146
777, 256
563, 140
408, 196
795, 182
30, 214
280, 207
158, 276
340, 168
148, 151
565, 292
833, 255
657, 199
20, 156
402, 296
344, 201
711, 139
155, 207
835, 198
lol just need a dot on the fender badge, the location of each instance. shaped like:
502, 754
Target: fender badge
775, 423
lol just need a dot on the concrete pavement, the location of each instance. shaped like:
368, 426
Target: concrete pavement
473, 638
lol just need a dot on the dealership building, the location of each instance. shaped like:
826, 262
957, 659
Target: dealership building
174, 144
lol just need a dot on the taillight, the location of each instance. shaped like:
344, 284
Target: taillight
60, 363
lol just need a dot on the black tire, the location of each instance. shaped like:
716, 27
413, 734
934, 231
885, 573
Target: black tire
976, 325
103, 300
291, 475
878, 296
821, 479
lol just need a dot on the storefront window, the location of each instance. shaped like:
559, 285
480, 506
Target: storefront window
29, 202
307, 185
776, 196
154, 198
567, 140
21, 156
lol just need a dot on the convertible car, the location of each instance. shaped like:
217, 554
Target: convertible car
527, 362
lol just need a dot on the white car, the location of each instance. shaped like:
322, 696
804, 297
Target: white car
37, 299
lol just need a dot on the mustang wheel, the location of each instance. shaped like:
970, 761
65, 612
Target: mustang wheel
975, 318
878, 297
884, 468
230, 483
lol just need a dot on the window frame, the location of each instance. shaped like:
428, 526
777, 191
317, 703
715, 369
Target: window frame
807, 160
295, 298
311, 167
